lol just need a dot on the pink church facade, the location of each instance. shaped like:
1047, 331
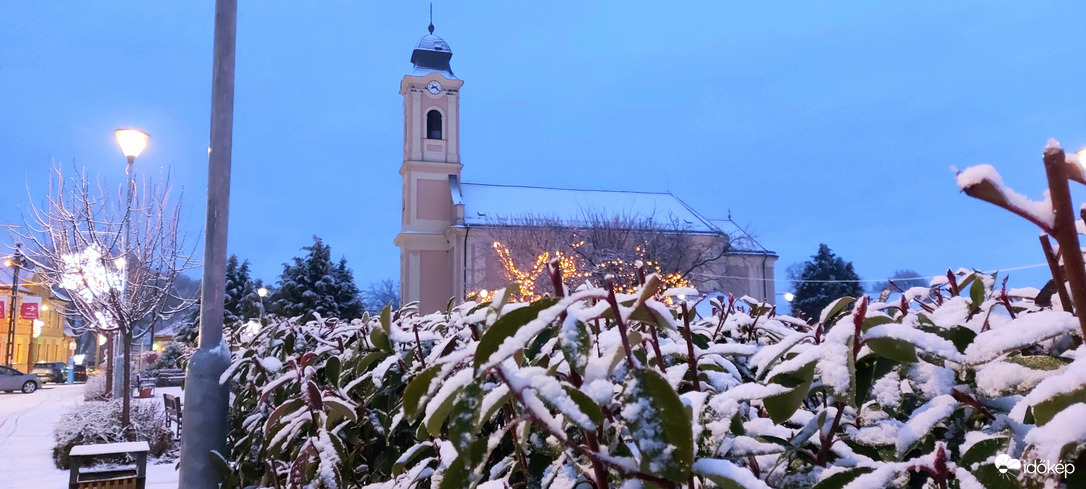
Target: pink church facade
445, 245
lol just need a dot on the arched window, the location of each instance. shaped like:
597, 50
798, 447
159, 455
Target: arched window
433, 125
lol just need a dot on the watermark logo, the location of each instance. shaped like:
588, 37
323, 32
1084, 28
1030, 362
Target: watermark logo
1004, 463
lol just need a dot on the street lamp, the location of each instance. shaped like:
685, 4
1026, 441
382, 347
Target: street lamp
16, 262
132, 143
262, 293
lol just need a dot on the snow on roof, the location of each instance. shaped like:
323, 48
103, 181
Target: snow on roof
6, 279
486, 204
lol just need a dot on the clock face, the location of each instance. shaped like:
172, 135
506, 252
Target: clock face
434, 87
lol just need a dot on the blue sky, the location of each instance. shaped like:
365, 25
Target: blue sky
811, 122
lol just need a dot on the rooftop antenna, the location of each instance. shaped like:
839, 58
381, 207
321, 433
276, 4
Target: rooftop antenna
431, 28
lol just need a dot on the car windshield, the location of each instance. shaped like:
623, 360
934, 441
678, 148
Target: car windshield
43, 365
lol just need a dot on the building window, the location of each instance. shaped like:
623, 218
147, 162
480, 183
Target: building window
433, 125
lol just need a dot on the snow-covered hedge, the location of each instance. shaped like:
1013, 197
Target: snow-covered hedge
100, 422
590, 388
95, 387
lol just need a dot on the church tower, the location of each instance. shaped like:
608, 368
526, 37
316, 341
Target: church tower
430, 172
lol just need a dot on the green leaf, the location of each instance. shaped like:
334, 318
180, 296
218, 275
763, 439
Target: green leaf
380, 340
832, 312
386, 319
341, 407
1039, 362
505, 327
418, 450
437, 418
893, 348
494, 408
293, 404
782, 406
462, 418
540, 341
722, 481
416, 389
575, 343
869, 369
976, 293
872, 321
981, 451
331, 370
457, 475
840, 479
585, 404
660, 427
961, 336
1045, 410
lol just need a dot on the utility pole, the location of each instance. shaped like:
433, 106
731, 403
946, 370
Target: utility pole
16, 262
206, 400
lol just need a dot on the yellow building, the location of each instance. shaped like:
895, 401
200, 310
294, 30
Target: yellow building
41, 340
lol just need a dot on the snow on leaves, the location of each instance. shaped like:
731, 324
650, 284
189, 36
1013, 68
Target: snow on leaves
598, 390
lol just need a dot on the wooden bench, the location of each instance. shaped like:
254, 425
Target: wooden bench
146, 386
113, 478
171, 377
173, 412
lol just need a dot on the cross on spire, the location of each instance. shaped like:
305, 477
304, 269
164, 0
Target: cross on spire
431, 28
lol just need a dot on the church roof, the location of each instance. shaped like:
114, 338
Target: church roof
432, 55
742, 242
487, 204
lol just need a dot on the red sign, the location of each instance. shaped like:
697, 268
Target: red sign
29, 308
3, 309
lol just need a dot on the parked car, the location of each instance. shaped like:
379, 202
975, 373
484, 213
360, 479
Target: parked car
80, 373
55, 372
12, 380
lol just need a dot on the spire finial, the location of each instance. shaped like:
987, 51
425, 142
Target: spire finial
431, 28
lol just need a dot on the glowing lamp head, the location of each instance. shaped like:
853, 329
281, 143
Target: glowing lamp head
45, 307
132, 142
7, 263
262, 292
120, 262
788, 296
101, 339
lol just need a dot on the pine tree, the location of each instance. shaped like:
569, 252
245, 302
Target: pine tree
348, 296
241, 302
314, 285
816, 287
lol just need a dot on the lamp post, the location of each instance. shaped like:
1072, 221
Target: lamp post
16, 262
206, 399
262, 293
132, 143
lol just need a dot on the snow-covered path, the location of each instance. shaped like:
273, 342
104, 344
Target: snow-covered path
26, 440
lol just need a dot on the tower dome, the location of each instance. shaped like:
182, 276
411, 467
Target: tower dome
432, 54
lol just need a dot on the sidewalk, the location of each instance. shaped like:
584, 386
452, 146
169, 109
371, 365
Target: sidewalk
26, 439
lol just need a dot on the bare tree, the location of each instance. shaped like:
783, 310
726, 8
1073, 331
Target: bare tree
116, 277
380, 294
597, 245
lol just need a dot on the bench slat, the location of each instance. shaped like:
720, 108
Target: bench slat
107, 448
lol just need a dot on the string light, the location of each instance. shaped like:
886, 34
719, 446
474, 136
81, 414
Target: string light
574, 270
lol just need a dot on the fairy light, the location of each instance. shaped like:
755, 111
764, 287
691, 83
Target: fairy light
574, 270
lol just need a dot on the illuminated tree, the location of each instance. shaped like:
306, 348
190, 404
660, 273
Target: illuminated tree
602, 248
116, 281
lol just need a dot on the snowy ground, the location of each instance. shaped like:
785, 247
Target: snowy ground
26, 439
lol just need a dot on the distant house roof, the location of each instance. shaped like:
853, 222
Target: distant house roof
487, 205
6, 279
